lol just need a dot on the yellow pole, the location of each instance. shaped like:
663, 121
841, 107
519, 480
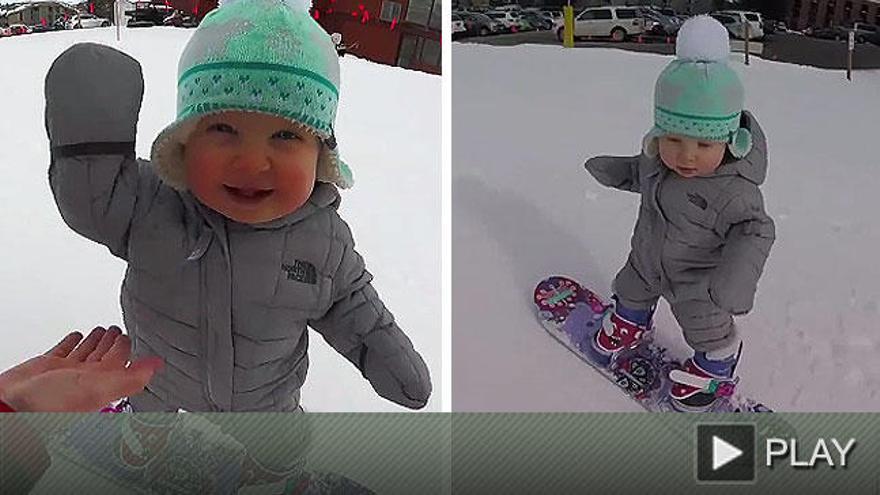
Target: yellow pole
568, 37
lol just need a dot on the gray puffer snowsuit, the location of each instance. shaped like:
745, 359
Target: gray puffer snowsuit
699, 242
225, 304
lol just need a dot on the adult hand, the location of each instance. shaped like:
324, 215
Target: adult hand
77, 375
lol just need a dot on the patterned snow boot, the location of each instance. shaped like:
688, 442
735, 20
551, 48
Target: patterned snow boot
122, 406
703, 381
622, 328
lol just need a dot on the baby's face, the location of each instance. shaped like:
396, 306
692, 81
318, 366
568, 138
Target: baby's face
251, 167
689, 157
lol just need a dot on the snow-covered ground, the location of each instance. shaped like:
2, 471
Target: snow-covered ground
388, 127
525, 119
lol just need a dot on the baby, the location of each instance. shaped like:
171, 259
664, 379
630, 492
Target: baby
231, 232
702, 235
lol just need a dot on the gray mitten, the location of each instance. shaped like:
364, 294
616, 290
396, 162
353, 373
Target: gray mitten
93, 97
396, 371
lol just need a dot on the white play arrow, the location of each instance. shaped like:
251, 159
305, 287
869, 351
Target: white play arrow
723, 453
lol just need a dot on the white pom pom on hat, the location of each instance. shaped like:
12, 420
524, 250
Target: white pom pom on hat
702, 39
301, 5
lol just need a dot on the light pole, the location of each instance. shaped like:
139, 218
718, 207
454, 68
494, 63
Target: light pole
117, 18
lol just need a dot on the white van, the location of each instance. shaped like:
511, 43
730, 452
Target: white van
756, 23
617, 22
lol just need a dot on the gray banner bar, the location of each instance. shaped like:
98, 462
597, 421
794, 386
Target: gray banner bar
439, 453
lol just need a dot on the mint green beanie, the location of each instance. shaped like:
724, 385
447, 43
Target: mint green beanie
698, 95
265, 56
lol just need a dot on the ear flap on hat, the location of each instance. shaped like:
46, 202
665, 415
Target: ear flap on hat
740, 142
332, 169
649, 143
167, 153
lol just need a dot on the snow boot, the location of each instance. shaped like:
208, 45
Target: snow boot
702, 381
622, 328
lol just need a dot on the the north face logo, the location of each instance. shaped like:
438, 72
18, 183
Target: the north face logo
698, 200
301, 271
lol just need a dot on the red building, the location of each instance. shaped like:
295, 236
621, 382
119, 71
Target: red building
199, 8
827, 13
405, 33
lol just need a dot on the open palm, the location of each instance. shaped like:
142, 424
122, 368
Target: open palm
77, 374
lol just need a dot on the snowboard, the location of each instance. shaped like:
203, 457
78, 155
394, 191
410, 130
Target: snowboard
572, 314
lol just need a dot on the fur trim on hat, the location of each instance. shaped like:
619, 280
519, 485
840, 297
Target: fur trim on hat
167, 155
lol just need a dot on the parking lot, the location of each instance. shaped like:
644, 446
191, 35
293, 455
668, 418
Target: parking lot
782, 47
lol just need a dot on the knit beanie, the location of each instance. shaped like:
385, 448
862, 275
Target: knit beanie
698, 95
264, 56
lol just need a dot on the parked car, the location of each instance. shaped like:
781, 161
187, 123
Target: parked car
146, 14
836, 33
864, 32
39, 28
659, 23
756, 23
478, 24
554, 15
179, 18
5, 32
735, 28
616, 22
458, 27
60, 24
537, 21
86, 20
17, 29
508, 19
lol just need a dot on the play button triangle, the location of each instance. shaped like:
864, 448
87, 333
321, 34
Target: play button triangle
723, 453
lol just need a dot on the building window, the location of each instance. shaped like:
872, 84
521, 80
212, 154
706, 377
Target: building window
390, 11
419, 51
436, 20
424, 12
829, 14
418, 11
431, 52
407, 51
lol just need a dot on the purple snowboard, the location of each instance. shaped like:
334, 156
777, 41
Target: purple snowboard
573, 314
